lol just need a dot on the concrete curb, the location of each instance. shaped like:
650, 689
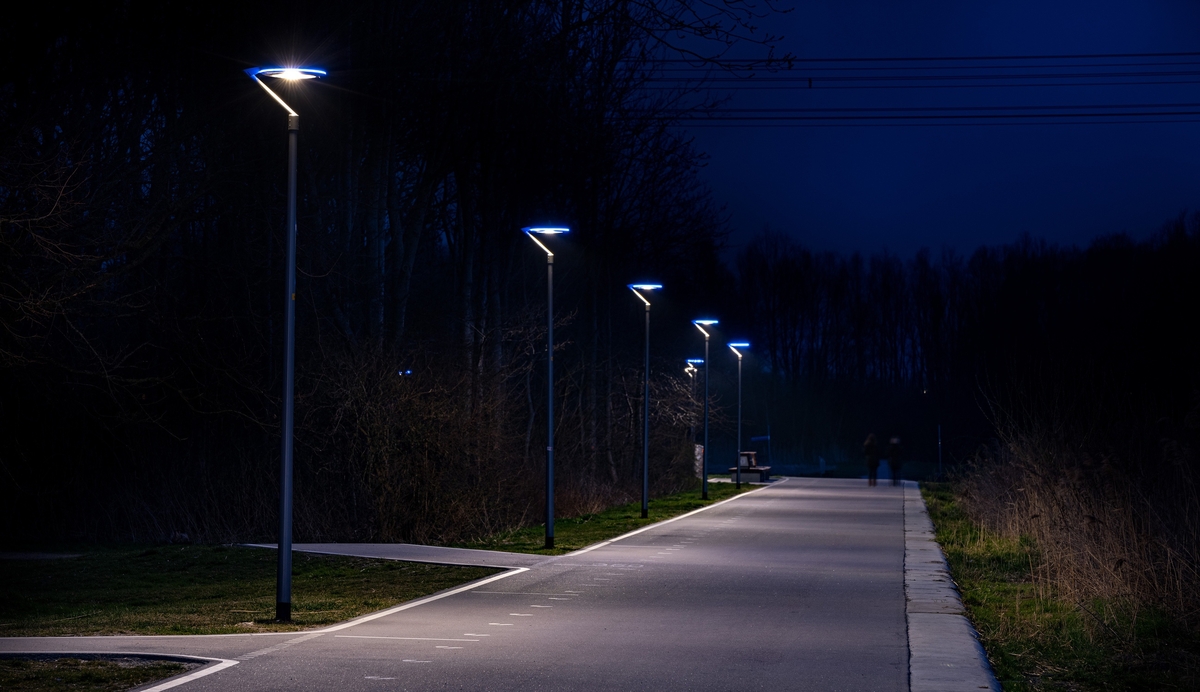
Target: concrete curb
944, 653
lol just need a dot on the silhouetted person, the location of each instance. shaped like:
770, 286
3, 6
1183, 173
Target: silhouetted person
894, 459
871, 452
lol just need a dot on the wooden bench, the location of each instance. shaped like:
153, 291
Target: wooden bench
755, 474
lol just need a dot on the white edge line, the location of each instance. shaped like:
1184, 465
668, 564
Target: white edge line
422, 601
222, 664
423, 561
668, 521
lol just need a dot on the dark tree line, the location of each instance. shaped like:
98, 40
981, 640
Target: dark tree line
1096, 337
141, 207
141, 243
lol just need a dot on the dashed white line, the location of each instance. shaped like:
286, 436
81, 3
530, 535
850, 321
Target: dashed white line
413, 639
500, 624
447, 647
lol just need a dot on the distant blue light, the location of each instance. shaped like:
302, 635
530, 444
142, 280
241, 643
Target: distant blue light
706, 322
696, 361
645, 287
549, 230
402, 373
739, 344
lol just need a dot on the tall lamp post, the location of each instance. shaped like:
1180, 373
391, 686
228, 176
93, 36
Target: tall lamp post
701, 324
533, 232
645, 400
283, 577
734, 346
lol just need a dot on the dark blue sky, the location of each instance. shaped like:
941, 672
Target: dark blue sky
901, 188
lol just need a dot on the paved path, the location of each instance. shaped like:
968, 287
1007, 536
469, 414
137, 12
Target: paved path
795, 586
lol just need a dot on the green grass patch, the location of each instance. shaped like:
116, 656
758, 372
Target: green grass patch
96, 674
580, 532
1039, 641
202, 590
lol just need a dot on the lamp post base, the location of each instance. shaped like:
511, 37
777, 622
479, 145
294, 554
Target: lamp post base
549, 541
283, 612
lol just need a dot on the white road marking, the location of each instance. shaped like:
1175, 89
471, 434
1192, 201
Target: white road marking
447, 647
278, 647
409, 660
540, 606
224, 663
377, 677
411, 639
423, 601
501, 624
526, 593
559, 599
522, 615
472, 634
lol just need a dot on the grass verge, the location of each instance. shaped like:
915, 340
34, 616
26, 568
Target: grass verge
230, 589
580, 532
1037, 640
95, 674
202, 590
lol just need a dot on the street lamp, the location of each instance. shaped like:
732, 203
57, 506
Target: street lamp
283, 577
645, 401
701, 324
734, 346
533, 232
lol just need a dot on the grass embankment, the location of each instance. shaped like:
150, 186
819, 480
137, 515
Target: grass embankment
202, 590
96, 675
1038, 641
230, 589
580, 532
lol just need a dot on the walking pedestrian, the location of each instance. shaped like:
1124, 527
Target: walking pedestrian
871, 452
894, 459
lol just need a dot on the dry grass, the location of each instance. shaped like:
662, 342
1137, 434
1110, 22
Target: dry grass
1039, 638
1132, 542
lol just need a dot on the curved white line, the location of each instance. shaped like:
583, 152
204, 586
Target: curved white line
222, 664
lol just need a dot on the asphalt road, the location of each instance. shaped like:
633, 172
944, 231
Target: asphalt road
798, 586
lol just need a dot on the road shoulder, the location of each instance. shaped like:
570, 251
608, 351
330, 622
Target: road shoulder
944, 650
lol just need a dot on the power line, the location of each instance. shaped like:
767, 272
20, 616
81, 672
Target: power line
939, 58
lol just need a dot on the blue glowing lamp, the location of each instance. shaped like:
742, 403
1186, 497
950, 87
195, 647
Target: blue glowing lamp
695, 361
288, 73
291, 74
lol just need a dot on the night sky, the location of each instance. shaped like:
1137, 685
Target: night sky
902, 187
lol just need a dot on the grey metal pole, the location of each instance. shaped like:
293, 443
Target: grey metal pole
283, 581
739, 427
550, 401
646, 425
704, 456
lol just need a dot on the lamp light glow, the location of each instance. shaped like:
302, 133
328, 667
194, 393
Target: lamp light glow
739, 344
548, 230
645, 287
701, 324
695, 361
288, 73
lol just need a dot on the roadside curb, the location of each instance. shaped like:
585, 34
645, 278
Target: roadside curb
944, 653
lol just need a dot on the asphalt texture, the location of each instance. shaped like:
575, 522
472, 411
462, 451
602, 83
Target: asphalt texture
797, 586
